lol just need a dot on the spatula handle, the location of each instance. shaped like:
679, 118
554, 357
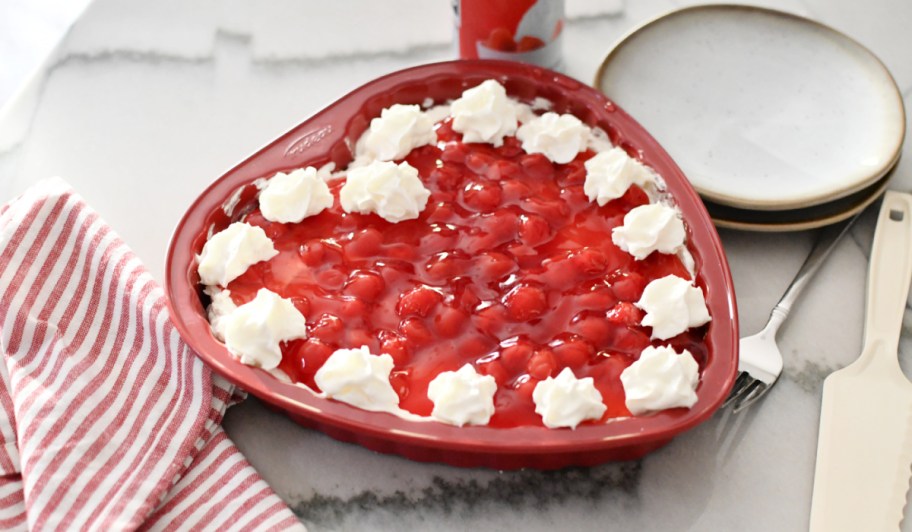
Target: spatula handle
889, 271
863, 452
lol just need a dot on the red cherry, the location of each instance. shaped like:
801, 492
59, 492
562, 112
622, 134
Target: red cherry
503, 170
490, 320
478, 162
573, 353
450, 321
352, 308
467, 298
628, 286
328, 329
312, 253
534, 230
445, 266
447, 177
445, 131
658, 265
625, 313
455, 153
364, 244
634, 197
331, 279
525, 386
358, 336
415, 331
395, 346
493, 265
589, 261
495, 369
418, 301
511, 148
542, 364
537, 166
404, 252
313, 353
593, 326
501, 39
516, 357
516, 190
492, 230
629, 341
364, 285
554, 211
529, 43
440, 240
482, 197
301, 304
558, 272
573, 177
599, 297
473, 346
440, 212
526, 303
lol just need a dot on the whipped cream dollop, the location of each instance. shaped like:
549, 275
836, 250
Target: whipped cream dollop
558, 137
228, 253
291, 197
462, 397
599, 141
394, 192
398, 130
220, 305
254, 330
484, 114
660, 379
648, 228
566, 401
359, 378
672, 306
610, 173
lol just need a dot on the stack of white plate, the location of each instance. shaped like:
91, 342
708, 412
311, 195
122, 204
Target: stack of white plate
781, 123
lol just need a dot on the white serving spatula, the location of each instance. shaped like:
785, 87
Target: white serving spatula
864, 448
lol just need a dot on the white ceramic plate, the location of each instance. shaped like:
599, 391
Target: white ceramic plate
762, 109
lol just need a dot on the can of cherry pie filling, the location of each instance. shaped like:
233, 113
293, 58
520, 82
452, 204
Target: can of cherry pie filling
517, 30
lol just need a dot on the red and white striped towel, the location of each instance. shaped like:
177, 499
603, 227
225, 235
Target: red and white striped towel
108, 421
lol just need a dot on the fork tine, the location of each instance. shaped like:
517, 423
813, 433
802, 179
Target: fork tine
741, 383
755, 391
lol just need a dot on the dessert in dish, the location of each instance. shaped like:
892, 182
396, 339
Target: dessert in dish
485, 261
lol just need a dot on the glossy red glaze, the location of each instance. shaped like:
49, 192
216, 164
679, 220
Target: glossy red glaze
326, 137
507, 269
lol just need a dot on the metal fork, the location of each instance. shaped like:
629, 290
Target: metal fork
760, 362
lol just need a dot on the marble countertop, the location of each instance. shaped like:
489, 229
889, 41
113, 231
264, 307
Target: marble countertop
144, 103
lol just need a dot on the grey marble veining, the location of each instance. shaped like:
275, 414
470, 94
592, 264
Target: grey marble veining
144, 103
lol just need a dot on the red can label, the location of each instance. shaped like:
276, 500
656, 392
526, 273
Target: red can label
517, 30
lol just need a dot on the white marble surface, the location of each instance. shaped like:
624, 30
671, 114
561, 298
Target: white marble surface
29, 30
144, 103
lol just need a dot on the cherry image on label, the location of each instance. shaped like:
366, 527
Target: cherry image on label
509, 268
518, 30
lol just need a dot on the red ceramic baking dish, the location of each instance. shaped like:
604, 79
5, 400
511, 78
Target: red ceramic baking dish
329, 136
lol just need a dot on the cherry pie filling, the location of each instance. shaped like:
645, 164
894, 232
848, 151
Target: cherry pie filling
509, 268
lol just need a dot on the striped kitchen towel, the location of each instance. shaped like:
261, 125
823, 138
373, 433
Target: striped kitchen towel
108, 421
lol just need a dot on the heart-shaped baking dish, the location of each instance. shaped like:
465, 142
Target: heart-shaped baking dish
329, 136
